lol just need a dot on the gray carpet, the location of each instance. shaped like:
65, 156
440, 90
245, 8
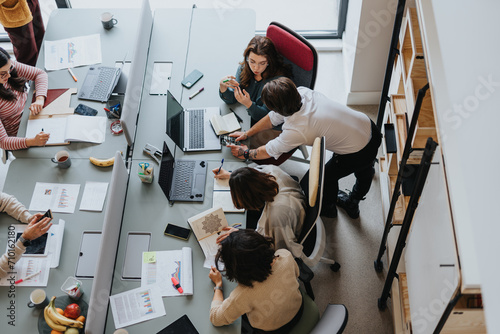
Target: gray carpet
354, 243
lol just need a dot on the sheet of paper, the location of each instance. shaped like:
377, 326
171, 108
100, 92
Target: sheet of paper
25, 267
223, 199
93, 196
137, 305
56, 238
58, 197
221, 184
55, 126
72, 52
168, 264
90, 129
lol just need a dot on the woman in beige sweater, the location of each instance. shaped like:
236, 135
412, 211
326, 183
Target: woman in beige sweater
267, 295
36, 228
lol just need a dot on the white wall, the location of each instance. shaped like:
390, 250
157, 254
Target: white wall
366, 47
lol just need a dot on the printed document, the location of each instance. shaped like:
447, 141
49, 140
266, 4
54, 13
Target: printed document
58, 197
73, 52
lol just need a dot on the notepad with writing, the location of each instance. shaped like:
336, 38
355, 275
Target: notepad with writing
222, 196
225, 124
66, 129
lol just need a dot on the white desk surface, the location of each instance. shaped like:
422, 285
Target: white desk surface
462, 57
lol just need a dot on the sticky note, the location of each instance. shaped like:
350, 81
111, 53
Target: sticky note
149, 257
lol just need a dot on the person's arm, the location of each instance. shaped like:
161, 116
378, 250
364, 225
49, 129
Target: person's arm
226, 92
243, 152
257, 112
216, 277
41, 84
10, 205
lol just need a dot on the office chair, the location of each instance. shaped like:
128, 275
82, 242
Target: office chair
302, 57
313, 235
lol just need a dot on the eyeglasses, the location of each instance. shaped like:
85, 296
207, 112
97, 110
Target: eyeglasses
252, 62
4, 74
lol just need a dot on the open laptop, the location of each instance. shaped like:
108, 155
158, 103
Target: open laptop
182, 180
99, 83
190, 129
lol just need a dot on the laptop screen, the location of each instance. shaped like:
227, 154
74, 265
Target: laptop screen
166, 171
175, 125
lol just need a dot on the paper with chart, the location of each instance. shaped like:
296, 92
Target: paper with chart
72, 52
159, 267
207, 226
58, 197
222, 196
137, 305
25, 267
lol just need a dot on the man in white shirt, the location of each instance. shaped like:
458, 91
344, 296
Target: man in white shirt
305, 115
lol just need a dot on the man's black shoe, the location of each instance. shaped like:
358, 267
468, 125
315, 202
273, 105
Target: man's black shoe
329, 211
349, 204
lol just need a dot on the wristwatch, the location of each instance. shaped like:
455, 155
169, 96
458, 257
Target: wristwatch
246, 154
25, 242
218, 288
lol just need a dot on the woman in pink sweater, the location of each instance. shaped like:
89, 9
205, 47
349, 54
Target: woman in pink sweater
13, 96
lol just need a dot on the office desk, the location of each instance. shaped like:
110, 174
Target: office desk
147, 210
116, 45
214, 47
31, 171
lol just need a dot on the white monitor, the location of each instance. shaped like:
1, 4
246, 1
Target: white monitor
136, 75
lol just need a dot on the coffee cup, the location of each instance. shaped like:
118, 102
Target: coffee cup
38, 299
107, 20
62, 159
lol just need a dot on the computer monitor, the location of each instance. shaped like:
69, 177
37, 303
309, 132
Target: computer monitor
133, 92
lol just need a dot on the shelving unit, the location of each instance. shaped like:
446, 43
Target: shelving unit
408, 76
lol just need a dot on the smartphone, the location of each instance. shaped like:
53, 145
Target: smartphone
84, 110
177, 231
48, 214
191, 79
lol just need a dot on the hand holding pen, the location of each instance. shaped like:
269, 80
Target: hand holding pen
220, 173
228, 81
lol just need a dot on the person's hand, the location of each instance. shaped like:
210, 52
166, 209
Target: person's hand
242, 97
230, 82
238, 150
37, 227
39, 140
215, 276
229, 230
223, 174
239, 135
37, 106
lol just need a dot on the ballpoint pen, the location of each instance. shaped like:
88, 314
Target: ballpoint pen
237, 117
221, 163
198, 92
27, 277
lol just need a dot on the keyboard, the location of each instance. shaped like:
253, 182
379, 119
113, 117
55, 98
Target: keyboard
196, 128
101, 84
183, 178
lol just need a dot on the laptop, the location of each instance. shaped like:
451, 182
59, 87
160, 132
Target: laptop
182, 180
99, 83
190, 129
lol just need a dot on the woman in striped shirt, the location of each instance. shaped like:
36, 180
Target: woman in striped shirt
13, 95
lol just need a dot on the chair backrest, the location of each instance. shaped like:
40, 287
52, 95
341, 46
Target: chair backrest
333, 321
297, 52
313, 188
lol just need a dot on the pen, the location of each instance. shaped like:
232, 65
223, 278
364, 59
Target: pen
236, 225
198, 92
237, 117
221, 163
72, 74
224, 81
177, 285
27, 277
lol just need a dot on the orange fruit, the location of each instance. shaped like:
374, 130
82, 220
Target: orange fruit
59, 310
56, 332
81, 318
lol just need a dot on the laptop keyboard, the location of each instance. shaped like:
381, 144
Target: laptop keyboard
183, 178
196, 128
101, 84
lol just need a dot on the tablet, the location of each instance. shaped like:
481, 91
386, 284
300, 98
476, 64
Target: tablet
38, 247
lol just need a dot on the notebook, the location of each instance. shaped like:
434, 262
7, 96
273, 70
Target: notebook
99, 83
190, 129
182, 180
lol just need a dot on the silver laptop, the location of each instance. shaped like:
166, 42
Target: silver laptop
191, 129
99, 83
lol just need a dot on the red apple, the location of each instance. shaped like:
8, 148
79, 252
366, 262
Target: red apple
72, 311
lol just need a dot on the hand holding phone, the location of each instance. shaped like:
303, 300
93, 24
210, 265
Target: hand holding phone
177, 231
47, 214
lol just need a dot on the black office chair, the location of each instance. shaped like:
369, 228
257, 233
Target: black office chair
302, 57
313, 235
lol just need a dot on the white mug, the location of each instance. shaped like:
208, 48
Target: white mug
38, 299
107, 20
62, 159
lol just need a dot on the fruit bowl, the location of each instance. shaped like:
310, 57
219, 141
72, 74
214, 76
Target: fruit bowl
61, 302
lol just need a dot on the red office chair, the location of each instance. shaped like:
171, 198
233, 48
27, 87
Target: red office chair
303, 59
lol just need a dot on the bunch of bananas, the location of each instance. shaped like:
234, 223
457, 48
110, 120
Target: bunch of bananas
58, 321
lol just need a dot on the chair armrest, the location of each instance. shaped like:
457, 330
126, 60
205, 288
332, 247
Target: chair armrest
305, 275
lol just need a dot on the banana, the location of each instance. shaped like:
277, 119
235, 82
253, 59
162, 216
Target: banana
51, 323
102, 162
60, 319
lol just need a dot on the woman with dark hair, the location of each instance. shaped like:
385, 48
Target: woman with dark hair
261, 64
13, 96
269, 189
267, 294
